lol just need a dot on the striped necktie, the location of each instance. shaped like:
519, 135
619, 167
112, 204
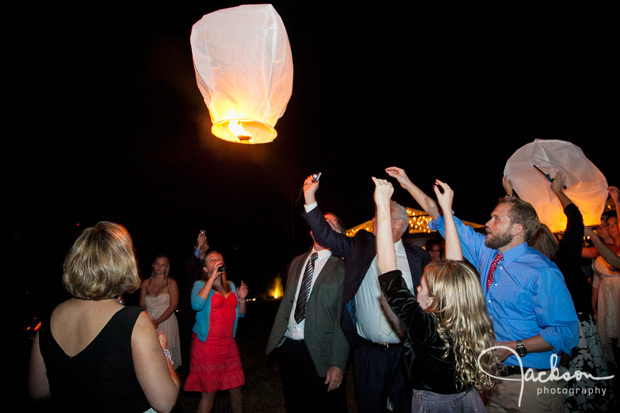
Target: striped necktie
304, 291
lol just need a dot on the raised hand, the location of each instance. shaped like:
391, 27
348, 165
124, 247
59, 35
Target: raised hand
383, 190
242, 290
311, 185
399, 174
445, 196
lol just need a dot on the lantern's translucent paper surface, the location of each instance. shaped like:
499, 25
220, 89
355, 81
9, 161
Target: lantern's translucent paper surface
585, 185
244, 70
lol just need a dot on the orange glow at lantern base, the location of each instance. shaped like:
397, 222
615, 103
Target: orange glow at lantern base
244, 131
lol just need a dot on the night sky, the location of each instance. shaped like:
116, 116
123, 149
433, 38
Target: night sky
108, 123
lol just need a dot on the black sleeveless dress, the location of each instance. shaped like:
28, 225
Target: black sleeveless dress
101, 378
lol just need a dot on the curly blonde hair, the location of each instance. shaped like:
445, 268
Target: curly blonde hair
462, 320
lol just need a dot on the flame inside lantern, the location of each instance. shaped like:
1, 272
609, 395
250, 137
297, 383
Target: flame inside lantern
244, 131
241, 135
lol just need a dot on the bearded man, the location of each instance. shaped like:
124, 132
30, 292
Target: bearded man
532, 310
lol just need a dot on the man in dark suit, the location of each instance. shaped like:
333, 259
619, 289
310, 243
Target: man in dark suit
311, 345
372, 330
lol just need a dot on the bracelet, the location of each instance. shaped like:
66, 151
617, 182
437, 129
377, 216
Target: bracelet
168, 356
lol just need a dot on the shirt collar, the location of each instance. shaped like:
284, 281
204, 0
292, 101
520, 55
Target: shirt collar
515, 252
399, 246
321, 254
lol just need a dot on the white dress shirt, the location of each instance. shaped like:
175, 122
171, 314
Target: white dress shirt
371, 321
296, 331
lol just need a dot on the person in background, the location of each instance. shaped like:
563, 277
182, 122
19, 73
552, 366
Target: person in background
607, 231
159, 296
602, 231
215, 363
202, 246
372, 330
435, 247
587, 357
311, 345
532, 310
94, 354
606, 299
449, 332
192, 272
606, 286
606, 251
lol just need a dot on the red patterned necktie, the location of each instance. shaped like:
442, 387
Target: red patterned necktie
491, 278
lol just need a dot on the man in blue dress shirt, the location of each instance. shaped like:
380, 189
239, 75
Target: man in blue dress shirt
531, 308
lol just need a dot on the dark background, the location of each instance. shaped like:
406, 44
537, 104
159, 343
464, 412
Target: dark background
105, 122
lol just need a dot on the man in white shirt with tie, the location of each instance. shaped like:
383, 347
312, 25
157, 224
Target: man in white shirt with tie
379, 370
306, 334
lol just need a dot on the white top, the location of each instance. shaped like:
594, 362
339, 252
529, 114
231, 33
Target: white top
371, 321
296, 331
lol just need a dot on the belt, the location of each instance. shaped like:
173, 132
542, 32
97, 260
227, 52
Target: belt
511, 370
381, 346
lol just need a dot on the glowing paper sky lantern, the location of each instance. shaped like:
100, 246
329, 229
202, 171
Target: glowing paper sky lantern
585, 185
244, 70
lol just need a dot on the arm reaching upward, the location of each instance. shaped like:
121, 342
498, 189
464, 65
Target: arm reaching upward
386, 256
310, 187
426, 202
453, 243
607, 253
557, 186
613, 193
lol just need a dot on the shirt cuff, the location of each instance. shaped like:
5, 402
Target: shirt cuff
561, 341
435, 224
310, 207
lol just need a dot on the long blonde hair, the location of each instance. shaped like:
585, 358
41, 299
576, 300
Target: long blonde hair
462, 321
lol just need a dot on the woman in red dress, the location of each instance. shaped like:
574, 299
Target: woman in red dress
214, 361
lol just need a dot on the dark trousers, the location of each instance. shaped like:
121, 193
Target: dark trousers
304, 390
380, 373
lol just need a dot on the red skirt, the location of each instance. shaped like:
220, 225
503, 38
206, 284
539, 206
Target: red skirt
215, 364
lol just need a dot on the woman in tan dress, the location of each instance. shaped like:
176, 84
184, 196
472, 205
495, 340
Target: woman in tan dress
159, 296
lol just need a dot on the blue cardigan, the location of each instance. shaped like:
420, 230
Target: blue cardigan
203, 310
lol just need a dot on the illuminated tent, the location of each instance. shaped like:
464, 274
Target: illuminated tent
418, 223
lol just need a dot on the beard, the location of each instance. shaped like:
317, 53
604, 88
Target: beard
496, 241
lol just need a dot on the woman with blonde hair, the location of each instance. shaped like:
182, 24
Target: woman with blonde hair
448, 331
92, 353
159, 296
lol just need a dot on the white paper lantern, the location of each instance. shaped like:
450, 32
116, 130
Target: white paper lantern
244, 70
585, 185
